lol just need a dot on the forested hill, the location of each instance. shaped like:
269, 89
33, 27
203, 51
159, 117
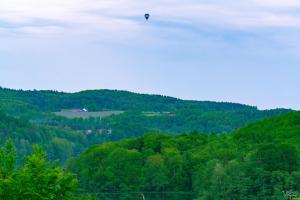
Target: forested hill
142, 113
59, 143
95, 100
260, 161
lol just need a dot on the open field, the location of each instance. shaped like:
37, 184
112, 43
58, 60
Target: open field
158, 114
71, 114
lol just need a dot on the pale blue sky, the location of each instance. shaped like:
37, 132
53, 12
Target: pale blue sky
246, 52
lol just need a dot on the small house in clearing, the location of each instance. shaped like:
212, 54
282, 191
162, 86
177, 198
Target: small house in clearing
77, 110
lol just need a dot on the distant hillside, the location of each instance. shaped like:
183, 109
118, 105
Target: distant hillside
97, 100
142, 112
259, 161
60, 143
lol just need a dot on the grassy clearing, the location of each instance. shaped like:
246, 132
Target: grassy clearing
72, 114
158, 114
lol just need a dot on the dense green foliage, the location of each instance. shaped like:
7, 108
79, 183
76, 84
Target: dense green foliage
95, 100
36, 179
260, 161
135, 123
59, 143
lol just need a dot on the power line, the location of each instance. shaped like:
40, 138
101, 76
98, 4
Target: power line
151, 192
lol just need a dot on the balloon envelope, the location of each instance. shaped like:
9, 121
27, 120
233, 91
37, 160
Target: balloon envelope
147, 16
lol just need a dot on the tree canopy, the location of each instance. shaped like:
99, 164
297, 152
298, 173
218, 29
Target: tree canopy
260, 161
36, 179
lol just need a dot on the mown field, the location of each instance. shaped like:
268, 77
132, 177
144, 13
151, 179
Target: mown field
71, 114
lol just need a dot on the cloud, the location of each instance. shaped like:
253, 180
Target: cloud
85, 15
281, 4
211, 23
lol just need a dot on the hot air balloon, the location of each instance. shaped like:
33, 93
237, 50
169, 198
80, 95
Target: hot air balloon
147, 16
